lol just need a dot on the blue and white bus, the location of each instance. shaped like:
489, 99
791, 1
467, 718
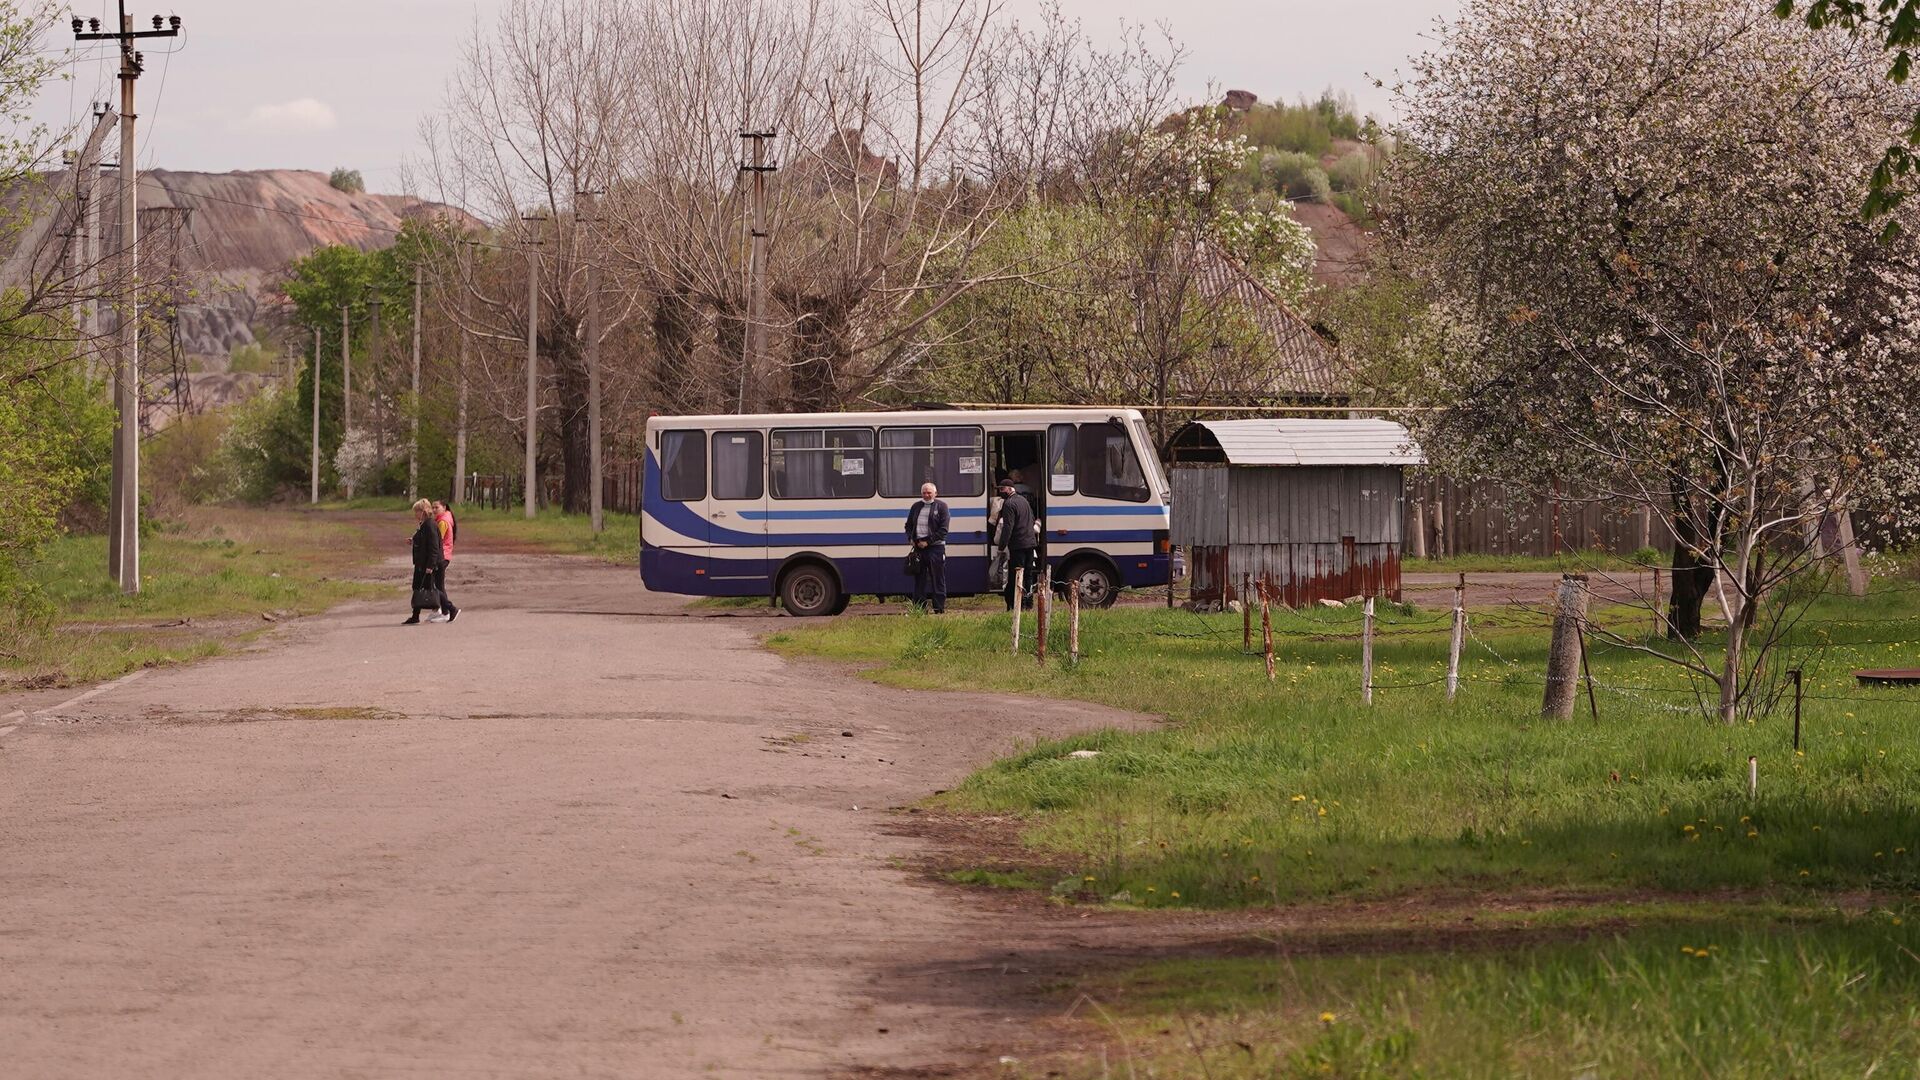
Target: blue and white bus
812, 507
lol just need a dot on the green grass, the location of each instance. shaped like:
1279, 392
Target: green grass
1257, 793
1552, 899
551, 531
1717, 993
211, 569
1567, 562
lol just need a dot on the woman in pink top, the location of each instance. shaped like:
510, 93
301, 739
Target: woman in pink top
443, 520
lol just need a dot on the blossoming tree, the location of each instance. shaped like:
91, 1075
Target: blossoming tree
1642, 219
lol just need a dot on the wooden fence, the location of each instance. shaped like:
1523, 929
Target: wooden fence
1452, 517
619, 490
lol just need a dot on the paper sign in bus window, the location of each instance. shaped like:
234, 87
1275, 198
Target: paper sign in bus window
853, 466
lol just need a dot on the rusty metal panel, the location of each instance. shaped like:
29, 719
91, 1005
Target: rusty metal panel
1208, 579
1304, 574
1199, 505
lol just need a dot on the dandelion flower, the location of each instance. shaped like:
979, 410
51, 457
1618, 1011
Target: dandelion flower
1175, 894
1803, 873
1686, 828
1326, 1018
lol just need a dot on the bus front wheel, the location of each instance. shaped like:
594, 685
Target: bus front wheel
1098, 585
810, 589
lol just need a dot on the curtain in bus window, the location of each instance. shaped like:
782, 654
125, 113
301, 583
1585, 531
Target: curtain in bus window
736, 465
809, 463
954, 459
1108, 466
683, 465
1060, 474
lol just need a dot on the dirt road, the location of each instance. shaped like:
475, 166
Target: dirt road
575, 833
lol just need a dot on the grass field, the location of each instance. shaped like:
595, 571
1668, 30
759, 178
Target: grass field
207, 579
551, 530
1703, 991
1294, 795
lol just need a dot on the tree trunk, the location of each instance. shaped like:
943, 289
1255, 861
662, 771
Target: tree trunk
739, 392
576, 448
1693, 575
820, 354
676, 387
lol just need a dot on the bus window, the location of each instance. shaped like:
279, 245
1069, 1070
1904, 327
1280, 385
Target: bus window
953, 458
1060, 459
737, 469
1109, 469
823, 463
683, 465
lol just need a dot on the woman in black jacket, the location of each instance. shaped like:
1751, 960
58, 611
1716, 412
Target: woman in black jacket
426, 556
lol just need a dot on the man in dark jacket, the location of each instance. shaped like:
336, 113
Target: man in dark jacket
927, 524
1018, 537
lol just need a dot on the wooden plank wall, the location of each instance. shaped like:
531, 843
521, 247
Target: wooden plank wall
1484, 518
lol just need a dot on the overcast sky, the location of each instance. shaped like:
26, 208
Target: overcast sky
257, 84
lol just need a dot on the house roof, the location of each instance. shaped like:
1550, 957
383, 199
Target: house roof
1305, 363
1303, 442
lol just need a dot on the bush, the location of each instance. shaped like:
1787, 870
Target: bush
253, 359
1295, 175
185, 463
1353, 172
347, 180
56, 449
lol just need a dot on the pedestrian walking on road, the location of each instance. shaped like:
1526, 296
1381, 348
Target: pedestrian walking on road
927, 523
426, 561
443, 520
1018, 539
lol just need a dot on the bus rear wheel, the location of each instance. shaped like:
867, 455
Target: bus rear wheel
1098, 584
809, 589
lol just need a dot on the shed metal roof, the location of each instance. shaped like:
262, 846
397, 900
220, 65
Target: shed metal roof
1313, 442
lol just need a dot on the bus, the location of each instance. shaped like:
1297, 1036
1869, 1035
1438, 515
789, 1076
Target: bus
811, 508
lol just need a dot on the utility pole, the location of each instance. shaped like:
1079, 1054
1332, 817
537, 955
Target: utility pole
346, 383
314, 481
533, 358
126, 480
87, 222
460, 418
376, 361
755, 344
589, 213
413, 432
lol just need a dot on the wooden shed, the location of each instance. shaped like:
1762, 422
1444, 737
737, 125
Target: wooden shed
1313, 506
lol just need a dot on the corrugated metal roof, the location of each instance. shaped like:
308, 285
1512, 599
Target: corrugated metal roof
1314, 442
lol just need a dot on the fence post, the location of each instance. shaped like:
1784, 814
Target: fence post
1246, 613
1796, 707
1042, 605
1753, 776
1073, 621
1586, 672
1366, 655
1659, 624
1563, 655
1266, 626
1019, 584
1459, 637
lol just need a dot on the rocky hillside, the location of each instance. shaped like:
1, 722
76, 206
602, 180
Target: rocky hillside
240, 232
244, 228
